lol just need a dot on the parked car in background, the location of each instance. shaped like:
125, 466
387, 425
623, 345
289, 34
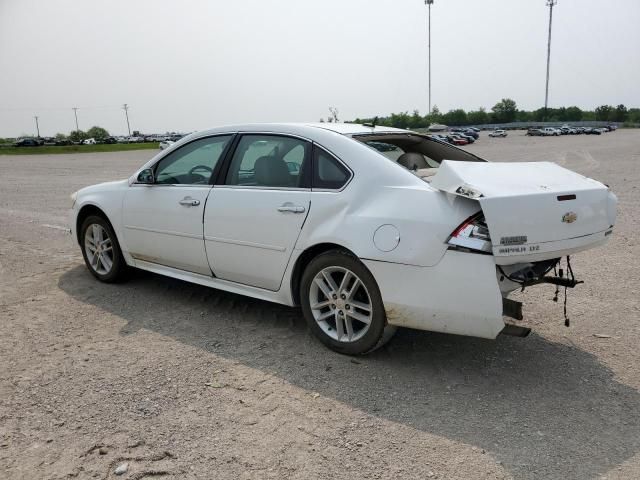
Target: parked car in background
464, 136
166, 144
498, 133
442, 138
89, 141
110, 140
443, 237
550, 131
471, 132
535, 132
28, 142
456, 140
465, 132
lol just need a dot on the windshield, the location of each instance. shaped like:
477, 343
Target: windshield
420, 154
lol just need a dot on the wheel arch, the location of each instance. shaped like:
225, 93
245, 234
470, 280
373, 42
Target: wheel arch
84, 212
303, 260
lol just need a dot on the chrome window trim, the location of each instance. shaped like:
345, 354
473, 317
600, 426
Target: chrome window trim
262, 132
258, 187
148, 185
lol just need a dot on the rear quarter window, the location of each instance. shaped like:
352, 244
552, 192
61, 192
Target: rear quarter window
328, 172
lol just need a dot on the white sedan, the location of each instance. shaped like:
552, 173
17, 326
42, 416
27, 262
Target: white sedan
366, 228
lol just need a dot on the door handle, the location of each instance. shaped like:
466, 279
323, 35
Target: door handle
291, 208
189, 202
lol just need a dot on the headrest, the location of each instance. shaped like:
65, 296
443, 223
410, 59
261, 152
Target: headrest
412, 161
272, 172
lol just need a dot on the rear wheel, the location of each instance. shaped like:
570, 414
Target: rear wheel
101, 250
342, 304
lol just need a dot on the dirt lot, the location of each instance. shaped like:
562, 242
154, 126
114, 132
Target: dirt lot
181, 381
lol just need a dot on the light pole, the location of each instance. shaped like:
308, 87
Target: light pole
428, 3
37, 126
125, 107
550, 4
75, 112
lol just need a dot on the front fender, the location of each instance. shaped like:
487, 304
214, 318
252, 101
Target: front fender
108, 198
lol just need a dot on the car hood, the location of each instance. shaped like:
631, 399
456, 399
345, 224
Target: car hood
102, 187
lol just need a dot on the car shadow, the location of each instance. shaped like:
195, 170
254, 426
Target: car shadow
543, 409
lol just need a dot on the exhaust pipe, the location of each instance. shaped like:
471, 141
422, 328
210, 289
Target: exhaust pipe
515, 330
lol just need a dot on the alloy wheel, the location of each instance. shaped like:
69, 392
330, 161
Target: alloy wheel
340, 304
99, 248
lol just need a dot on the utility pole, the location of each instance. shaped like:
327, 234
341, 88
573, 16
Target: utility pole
37, 126
125, 107
429, 3
550, 4
75, 112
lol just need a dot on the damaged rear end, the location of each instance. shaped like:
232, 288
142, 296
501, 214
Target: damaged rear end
531, 216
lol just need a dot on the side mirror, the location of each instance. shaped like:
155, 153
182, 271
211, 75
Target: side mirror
146, 177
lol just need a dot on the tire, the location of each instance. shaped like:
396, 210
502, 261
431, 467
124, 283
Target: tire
97, 234
337, 320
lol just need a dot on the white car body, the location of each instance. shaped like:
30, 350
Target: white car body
89, 141
166, 144
398, 223
498, 133
550, 131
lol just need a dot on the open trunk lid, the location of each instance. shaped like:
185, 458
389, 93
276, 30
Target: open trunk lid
535, 210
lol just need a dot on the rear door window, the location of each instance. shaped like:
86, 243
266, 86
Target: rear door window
269, 161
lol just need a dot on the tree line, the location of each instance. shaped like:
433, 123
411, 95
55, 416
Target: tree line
96, 132
506, 111
75, 136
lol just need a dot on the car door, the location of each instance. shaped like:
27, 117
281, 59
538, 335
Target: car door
162, 221
253, 219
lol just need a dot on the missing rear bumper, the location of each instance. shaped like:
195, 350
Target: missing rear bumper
511, 308
515, 331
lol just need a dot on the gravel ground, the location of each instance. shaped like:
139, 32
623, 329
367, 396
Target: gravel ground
180, 381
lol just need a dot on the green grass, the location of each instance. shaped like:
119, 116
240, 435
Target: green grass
117, 147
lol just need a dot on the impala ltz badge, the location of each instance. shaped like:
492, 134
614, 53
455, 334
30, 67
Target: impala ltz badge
569, 217
516, 240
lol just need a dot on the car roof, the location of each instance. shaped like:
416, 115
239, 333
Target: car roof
354, 128
347, 129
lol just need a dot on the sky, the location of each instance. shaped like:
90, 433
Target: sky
196, 64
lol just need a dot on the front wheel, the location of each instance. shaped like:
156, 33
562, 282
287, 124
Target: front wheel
101, 250
342, 304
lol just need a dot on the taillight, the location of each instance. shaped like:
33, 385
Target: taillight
472, 234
